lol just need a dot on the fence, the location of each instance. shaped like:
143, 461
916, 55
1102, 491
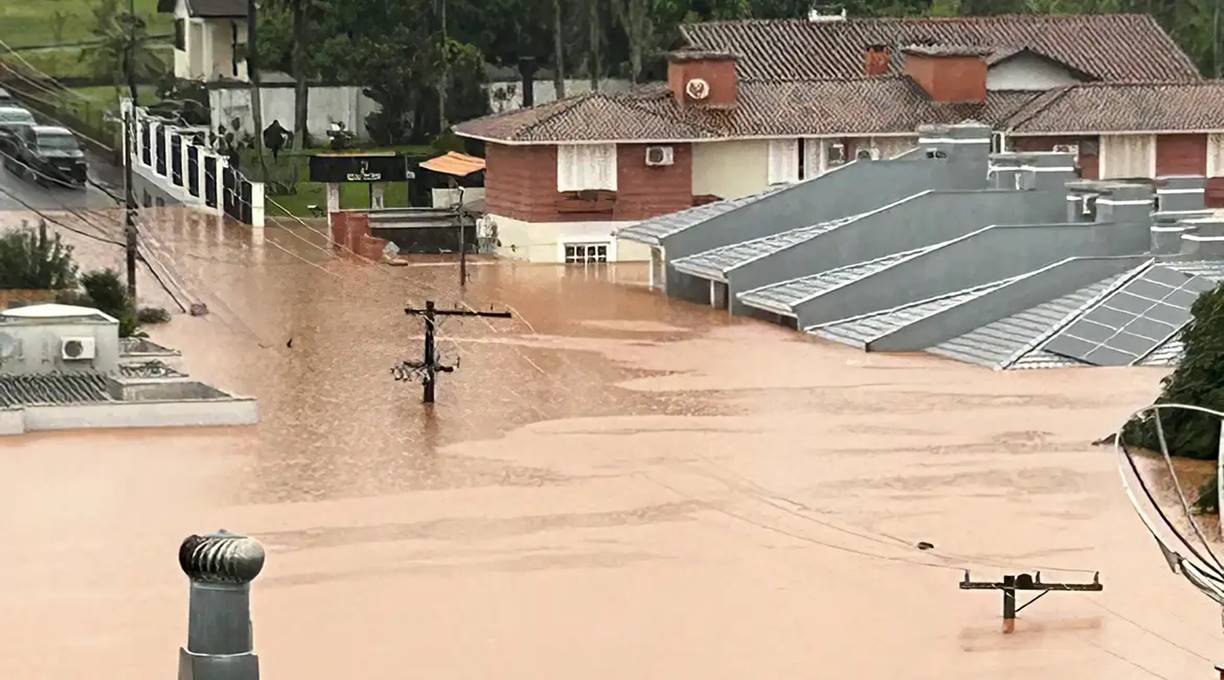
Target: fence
177, 159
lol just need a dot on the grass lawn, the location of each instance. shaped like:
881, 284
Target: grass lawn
67, 62
352, 195
32, 22
106, 97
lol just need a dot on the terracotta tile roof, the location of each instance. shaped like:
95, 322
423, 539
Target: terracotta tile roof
1120, 107
220, 9
1109, 46
861, 106
454, 163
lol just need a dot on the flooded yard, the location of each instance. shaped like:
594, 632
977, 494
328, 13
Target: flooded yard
611, 485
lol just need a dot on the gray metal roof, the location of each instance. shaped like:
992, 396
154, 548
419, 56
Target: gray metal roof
1211, 269
996, 344
1167, 354
52, 389
714, 264
654, 230
782, 297
861, 330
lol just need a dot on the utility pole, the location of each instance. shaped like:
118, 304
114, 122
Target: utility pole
129, 224
1011, 583
461, 216
444, 76
252, 59
429, 368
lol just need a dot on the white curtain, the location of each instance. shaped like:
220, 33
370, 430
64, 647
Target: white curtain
1124, 156
1215, 155
783, 161
813, 157
586, 166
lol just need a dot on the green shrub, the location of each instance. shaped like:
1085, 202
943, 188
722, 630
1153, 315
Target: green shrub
152, 315
108, 294
1197, 381
29, 259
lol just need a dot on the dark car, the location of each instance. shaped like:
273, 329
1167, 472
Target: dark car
12, 119
48, 155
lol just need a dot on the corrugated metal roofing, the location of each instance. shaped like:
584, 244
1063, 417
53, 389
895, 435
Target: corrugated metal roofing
784, 295
996, 343
1167, 354
859, 331
52, 389
714, 264
1211, 269
654, 230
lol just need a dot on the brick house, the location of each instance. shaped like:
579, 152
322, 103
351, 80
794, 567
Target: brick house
752, 104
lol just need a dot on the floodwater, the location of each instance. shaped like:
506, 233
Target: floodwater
611, 485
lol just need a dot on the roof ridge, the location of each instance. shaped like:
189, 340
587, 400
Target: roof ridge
570, 104
1014, 16
1033, 107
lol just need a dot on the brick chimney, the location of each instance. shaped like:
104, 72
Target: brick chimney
950, 74
703, 78
875, 60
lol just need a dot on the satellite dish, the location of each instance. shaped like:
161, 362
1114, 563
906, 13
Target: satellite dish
8, 346
1173, 498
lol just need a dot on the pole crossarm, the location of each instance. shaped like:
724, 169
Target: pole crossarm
429, 367
1012, 583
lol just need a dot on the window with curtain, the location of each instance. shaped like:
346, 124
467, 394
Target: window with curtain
783, 161
1124, 156
1215, 155
582, 167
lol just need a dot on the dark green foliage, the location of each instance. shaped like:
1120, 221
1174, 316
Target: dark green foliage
1198, 381
30, 259
108, 294
152, 315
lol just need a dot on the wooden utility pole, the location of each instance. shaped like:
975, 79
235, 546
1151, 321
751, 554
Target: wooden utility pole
444, 76
129, 219
252, 60
1012, 583
429, 368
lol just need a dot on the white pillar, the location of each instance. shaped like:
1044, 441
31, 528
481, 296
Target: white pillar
201, 179
257, 205
378, 194
166, 140
222, 164
333, 201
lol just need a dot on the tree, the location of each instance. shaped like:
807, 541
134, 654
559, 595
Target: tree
594, 37
635, 18
122, 49
558, 51
29, 259
107, 294
301, 92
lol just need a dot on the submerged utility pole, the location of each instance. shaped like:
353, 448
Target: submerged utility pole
429, 368
1011, 583
129, 220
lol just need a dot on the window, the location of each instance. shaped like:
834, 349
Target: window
837, 154
783, 161
998, 142
180, 35
1128, 156
583, 253
583, 167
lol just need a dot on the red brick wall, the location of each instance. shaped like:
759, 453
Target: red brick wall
1215, 192
1089, 162
1181, 155
949, 78
521, 183
645, 191
719, 73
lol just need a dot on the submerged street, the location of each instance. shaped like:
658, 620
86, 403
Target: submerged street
612, 485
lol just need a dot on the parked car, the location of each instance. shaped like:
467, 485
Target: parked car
48, 155
12, 119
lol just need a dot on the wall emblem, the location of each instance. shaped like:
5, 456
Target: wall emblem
697, 88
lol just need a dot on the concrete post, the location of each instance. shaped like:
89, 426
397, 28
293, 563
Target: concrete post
169, 150
219, 646
333, 201
222, 164
201, 179
257, 204
378, 195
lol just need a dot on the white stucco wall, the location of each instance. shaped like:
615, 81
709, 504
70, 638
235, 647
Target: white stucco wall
209, 43
730, 169
239, 411
1027, 72
346, 104
545, 241
508, 96
39, 346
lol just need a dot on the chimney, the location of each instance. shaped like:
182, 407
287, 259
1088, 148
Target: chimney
875, 61
703, 78
527, 69
950, 74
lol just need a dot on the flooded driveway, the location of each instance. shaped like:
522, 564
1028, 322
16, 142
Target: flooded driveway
611, 485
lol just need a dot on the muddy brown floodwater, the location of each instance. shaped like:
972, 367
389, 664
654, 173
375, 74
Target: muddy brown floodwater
612, 485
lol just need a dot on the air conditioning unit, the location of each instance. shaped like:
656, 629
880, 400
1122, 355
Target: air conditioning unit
78, 349
868, 153
660, 155
1072, 149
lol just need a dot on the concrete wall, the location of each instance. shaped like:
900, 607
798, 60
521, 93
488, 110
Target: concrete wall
545, 241
730, 169
142, 414
39, 346
12, 421
982, 257
1046, 284
921, 220
508, 95
345, 104
1027, 72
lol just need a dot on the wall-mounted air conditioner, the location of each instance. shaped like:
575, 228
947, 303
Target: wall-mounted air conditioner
78, 349
1072, 149
660, 155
